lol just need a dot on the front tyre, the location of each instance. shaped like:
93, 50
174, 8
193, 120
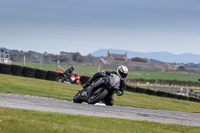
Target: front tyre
77, 99
97, 96
59, 79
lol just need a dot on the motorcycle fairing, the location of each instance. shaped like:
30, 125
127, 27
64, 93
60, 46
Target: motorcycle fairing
60, 72
114, 81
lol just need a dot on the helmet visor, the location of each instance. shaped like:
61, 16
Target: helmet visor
123, 75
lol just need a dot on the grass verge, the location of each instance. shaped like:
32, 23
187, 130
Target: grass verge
24, 121
30, 86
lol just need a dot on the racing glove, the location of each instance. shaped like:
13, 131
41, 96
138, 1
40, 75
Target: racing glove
120, 92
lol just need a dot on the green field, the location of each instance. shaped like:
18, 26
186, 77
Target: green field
12, 120
89, 71
165, 76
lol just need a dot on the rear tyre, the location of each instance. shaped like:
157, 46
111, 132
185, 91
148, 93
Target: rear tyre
96, 97
40, 74
77, 99
51, 75
29, 72
5, 68
17, 70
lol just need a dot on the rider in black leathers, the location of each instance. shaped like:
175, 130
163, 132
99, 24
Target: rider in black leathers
122, 72
103, 74
69, 71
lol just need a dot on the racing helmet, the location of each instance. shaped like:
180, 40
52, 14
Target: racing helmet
122, 71
72, 67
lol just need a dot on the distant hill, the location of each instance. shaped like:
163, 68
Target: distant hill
162, 56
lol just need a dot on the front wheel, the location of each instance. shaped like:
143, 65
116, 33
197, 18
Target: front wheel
59, 79
77, 99
97, 96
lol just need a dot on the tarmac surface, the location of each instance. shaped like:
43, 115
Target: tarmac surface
27, 102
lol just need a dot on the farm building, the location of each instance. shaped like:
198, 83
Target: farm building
116, 57
114, 60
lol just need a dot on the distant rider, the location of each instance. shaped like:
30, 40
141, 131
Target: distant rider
122, 72
69, 72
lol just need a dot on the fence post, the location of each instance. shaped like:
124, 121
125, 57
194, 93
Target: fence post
58, 64
41, 62
24, 60
3, 57
99, 69
188, 91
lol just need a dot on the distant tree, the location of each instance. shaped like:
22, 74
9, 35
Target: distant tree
154, 61
90, 58
77, 57
54, 58
18, 57
14, 57
46, 58
28, 55
81, 59
181, 67
64, 58
137, 59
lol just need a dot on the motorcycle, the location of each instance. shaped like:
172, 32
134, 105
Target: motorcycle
102, 89
73, 78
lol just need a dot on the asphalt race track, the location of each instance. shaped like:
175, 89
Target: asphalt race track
28, 102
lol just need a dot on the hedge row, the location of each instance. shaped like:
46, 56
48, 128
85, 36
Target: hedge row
162, 81
28, 72
153, 92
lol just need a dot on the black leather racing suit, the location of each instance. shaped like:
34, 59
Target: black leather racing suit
103, 74
69, 71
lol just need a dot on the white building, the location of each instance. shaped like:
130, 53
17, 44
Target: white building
4, 56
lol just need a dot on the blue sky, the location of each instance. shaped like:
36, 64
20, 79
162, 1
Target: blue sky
88, 25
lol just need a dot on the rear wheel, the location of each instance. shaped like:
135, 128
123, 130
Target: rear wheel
97, 95
77, 99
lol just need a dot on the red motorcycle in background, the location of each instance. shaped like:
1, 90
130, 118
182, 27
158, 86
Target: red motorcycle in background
68, 76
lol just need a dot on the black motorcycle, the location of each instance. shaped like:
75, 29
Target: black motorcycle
102, 89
